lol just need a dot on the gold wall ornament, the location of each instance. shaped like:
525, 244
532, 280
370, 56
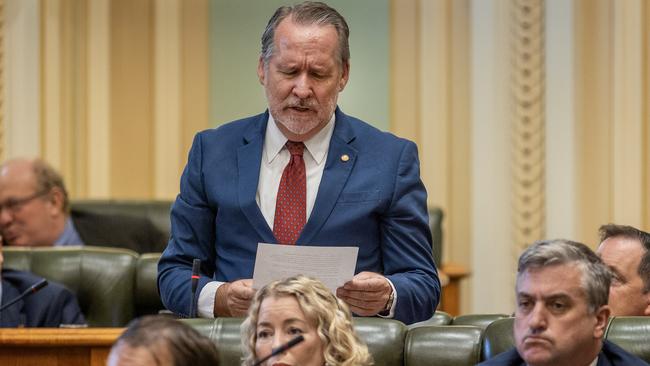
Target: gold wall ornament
527, 88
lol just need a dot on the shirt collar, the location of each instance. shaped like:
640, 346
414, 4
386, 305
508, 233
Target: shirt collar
317, 146
69, 236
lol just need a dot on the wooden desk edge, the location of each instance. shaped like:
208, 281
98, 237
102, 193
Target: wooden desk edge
54, 337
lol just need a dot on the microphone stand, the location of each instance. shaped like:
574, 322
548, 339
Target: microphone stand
280, 349
196, 267
31, 290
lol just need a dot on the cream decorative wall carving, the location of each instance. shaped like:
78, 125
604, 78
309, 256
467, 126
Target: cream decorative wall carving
528, 120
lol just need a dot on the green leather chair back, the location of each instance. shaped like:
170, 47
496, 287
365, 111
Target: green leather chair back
497, 338
226, 334
632, 333
435, 223
478, 320
101, 278
451, 345
438, 318
443, 345
146, 296
385, 339
156, 211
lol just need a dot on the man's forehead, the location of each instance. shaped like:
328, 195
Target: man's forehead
618, 241
550, 281
17, 168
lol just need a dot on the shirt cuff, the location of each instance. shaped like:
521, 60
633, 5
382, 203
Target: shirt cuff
206, 299
391, 313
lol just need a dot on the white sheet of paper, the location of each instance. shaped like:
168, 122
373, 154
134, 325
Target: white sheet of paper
334, 266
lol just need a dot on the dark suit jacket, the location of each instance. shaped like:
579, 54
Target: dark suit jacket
375, 200
610, 355
52, 306
121, 231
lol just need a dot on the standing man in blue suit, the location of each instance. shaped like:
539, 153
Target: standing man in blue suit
361, 186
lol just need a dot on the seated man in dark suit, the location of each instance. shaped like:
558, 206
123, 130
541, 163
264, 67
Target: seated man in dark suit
561, 290
35, 211
51, 306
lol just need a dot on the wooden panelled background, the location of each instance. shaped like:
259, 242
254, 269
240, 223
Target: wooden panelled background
531, 116
121, 88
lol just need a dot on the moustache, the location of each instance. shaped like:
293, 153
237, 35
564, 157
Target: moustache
301, 103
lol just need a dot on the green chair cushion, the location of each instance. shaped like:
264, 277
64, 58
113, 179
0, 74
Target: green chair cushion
443, 345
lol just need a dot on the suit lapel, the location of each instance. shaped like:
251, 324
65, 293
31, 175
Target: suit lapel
249, 157
336, 173
603, 360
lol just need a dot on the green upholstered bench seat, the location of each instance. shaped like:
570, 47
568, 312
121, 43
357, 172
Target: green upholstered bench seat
101, 278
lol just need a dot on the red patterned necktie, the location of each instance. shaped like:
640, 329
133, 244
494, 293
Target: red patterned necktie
290, 207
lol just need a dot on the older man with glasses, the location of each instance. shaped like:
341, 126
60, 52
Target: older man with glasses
35, 211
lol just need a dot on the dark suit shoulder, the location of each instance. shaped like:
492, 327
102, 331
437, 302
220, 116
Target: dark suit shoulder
21, 280
615, 356
509, 358
52, 306
367, 138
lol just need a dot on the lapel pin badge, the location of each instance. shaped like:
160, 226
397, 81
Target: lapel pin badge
345, 157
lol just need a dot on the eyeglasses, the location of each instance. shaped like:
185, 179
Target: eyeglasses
14, 204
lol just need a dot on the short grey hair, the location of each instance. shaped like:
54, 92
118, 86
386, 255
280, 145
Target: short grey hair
48, 178
595, 278
307, 13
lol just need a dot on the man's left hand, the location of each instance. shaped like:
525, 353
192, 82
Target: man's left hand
366, 294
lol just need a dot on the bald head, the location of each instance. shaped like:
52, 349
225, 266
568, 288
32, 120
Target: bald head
18, 171
33, 203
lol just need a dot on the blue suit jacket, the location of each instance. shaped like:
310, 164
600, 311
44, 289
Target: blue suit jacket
52, 306
375, 200
610, 355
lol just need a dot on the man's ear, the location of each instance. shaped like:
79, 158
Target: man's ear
345, 76
56, 199
260, 70
602, 319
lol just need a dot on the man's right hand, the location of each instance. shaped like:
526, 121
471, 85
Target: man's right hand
234, 298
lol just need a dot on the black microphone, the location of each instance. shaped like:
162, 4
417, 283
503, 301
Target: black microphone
31, 290
196, 267
281, 349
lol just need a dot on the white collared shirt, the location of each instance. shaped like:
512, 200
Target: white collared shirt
593, 363
275, 158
